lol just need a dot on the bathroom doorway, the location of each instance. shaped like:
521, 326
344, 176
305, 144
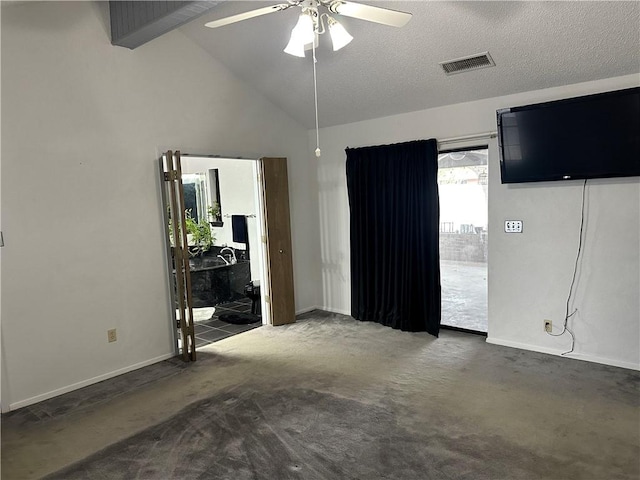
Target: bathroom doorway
463, 191
226, 257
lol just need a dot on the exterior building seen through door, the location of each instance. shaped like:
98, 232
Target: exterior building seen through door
463, 190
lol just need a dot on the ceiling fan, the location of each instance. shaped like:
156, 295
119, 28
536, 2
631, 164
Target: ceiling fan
311, 22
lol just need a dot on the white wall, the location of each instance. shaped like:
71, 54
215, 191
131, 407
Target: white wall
529, 273
83, 125
237, 197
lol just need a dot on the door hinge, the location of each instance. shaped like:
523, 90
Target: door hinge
267, 298
264, 239
170, 176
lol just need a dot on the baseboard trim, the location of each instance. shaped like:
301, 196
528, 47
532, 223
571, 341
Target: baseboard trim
557, 353
325, 309
306, 310
336, 310
85, 383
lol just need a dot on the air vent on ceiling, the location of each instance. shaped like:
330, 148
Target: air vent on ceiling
465, 64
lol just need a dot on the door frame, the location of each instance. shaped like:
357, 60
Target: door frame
472, 145
167, 246
177, 259
265, 286
261, 220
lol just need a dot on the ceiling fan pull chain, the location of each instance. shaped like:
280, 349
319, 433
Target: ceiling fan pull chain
315, 94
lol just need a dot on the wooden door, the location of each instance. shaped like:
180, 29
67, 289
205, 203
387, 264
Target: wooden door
179, 252
275, 188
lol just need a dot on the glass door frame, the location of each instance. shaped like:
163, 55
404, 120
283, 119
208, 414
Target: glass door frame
469, 148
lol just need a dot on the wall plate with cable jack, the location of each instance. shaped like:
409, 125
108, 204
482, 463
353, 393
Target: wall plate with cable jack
513, 226
548, 326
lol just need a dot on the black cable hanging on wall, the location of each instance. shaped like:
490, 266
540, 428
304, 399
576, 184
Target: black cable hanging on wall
565, 326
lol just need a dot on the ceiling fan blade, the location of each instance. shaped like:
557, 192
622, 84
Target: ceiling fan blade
385, 16
247, 15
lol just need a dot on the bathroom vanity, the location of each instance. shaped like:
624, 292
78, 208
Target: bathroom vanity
215, 281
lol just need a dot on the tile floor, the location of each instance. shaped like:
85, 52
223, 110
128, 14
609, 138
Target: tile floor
209, 328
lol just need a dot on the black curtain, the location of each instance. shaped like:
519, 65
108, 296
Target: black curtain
394, 217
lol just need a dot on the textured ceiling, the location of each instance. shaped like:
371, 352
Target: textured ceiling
387, 70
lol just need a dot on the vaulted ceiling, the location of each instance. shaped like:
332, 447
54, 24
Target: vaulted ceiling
386, 70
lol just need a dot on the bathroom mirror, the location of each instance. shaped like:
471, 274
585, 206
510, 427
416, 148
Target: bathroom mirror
195, 197
202, 196
214, 198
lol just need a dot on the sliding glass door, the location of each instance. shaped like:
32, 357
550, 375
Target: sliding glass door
462, 185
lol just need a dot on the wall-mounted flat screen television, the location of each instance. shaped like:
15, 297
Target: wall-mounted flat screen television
595, 136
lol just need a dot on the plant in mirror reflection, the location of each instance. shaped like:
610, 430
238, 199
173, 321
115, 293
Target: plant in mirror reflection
214, 212
201, 236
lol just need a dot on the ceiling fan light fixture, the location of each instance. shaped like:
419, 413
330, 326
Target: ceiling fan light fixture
339, 35
302, 34
295, 48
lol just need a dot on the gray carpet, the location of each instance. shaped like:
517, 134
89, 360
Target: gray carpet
306, 434
333, 398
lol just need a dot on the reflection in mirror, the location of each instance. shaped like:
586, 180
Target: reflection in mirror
202, 209
195, 197
213, 190
202, 196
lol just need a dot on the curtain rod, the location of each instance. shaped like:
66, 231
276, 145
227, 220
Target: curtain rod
477, 136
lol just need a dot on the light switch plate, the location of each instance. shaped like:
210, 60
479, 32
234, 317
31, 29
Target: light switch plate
513, 226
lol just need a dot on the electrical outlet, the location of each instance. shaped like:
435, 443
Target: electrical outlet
548, 326
513, 226
111, 335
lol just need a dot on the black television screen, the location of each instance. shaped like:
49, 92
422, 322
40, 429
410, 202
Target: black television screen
594, 136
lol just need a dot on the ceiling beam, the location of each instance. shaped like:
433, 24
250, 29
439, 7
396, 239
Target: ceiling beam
134, 23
